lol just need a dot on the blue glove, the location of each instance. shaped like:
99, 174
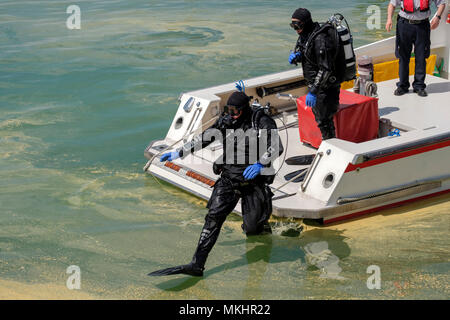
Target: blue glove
169, 156
252, 171
240, 86
294, 56
311, 99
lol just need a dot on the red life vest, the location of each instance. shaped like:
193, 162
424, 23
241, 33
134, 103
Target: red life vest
408, 6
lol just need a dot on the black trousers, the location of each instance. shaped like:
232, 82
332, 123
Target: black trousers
408, 35
326, 106
256, 201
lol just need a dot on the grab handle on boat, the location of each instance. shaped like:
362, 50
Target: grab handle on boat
311, 170
193, 121
301, 174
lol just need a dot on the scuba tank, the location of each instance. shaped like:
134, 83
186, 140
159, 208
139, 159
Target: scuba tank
346, 59
258, 111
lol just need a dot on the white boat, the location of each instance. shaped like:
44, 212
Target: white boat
345, 179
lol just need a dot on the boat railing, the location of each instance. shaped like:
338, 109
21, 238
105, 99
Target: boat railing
311, 170
360, 158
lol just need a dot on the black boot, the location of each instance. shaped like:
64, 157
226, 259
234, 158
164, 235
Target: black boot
328, 131
208, 238
331, 131
267, 228
193, 269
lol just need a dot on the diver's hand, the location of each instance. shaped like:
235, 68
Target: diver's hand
252, 171
294, 57
170, 156
311, 100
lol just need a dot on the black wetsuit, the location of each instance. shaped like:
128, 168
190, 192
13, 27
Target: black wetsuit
318, 63
255, 194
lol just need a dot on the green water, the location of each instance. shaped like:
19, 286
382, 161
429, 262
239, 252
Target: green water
77, 109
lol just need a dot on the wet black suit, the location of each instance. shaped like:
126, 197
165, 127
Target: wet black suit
255, 194
318, 62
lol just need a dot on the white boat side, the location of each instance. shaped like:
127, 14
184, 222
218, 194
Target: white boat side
345, 179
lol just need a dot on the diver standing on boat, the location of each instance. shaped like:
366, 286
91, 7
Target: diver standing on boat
240, 176
413, 28
317, 52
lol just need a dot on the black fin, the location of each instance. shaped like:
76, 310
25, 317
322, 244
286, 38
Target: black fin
300, 160
184, 269
289, 176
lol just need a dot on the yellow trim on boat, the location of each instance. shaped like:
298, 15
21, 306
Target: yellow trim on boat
389, 70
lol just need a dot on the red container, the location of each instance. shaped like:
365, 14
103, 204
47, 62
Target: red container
355, 121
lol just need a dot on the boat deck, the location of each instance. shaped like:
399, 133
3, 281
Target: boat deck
412, 111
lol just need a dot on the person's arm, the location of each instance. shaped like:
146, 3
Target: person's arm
298, 45
272, 152
200, 141
390, 14
435, 21
325, 61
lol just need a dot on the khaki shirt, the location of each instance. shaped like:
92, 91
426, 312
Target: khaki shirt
416, 15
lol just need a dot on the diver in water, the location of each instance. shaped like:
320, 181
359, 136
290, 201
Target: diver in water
243, 175
317, 52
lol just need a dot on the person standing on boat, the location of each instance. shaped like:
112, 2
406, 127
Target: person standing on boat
240, 176
318, 70
413, 28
